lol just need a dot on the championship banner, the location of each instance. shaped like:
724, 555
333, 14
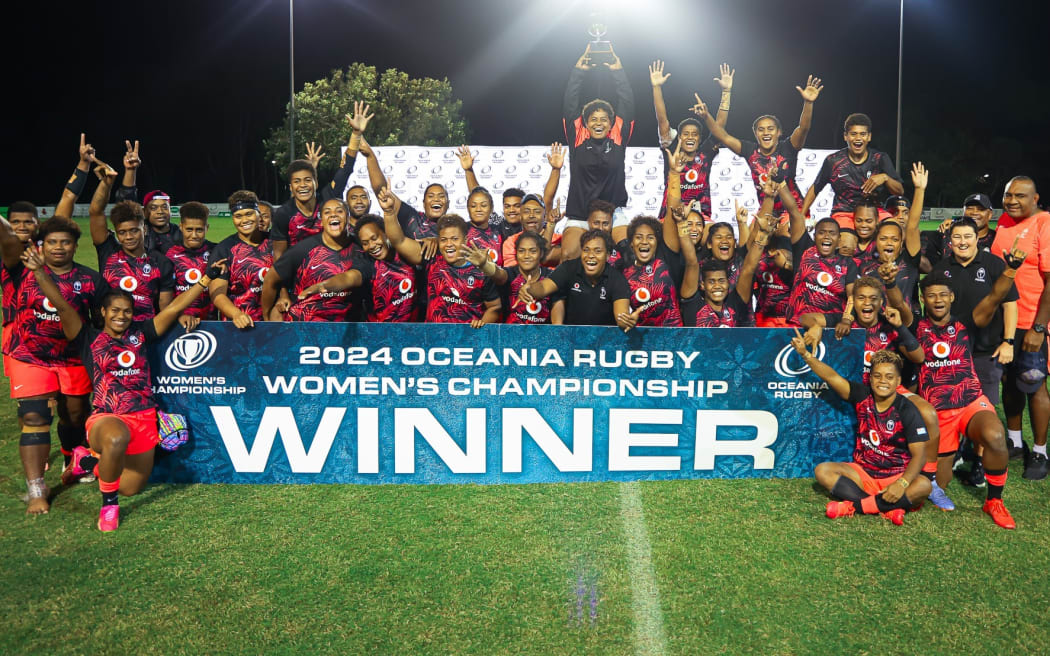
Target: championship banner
444, 403
411, 168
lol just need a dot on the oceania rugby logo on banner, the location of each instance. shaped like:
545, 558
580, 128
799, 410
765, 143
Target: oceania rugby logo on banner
190, 350
784, 367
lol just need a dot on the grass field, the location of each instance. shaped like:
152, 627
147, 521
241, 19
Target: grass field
744, 566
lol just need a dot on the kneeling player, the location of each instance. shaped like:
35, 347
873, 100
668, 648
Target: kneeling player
885, 475
122, 429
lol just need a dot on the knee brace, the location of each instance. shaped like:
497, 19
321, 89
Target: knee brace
35, 439
40, 407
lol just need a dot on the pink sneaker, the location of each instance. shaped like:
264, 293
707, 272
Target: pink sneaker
74, 471
109, 518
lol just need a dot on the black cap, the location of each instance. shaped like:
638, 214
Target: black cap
893, 202
978, 199
533, 197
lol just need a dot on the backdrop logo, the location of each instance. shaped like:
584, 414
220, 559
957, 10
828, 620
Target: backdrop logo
450, 155
190, 350
399, 156
436, 170
412, 171
725, 172
510, 170
497, 156
424, 156
639, 156
784, 366
523, 156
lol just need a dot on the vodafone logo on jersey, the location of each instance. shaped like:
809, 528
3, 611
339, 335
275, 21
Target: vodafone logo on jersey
533, 308
867, 358
193, 276
768, 277
49, 306
128, 283
405, 286
873, 436
941, 350
126, 359
262, 273
492, 254
642, 295
691, 176
824, 278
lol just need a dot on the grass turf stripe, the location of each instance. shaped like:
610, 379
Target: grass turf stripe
649, 635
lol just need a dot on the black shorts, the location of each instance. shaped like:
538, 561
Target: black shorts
990, 373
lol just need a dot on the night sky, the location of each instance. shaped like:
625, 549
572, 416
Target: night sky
201, 83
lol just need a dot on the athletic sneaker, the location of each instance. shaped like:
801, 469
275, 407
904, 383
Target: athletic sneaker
1016, 452
896, 516
109, 518
836, 509
1000, 515
1035, 468
974, 477
940, 499
73, 470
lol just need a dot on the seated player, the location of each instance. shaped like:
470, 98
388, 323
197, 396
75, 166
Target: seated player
45, 370
595, 294
457, 291
393, 286
314, 260
189, 260
531, 252
123, 259
823, 277
884, 476
237, 293
948, 381
122, 429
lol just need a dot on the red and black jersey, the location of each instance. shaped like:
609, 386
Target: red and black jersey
847, 179
9, 290
773, 286
190, 266
819, 284
144, 277
883, 436
246, 266
527, 313
393, 291
696, 178
907, 275
291, 225
654, 287
490, 238
882, 335
119, 369
733, 265
779, 165
311, 262
457, 294
414, 223
38, 338
947, 378
734, 313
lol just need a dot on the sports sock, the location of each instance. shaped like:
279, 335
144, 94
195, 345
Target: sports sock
70, 437
1014, 436
1039, 448
846, 489
996, 482
89, 463
886, 506
109, 491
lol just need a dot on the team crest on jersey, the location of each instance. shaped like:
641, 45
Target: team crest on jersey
641, 295
533, 308
470, 281
648, 268
576, 286
824, 278
691, 176
838, 268
128, 283
951, 330
134, 339
882, 337
890, 424
941, 350
980, 275
405, 286
147, 269
602, 294
193, 276
126, 359
77, 286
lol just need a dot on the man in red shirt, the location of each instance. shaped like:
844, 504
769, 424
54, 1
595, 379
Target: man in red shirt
1025, 376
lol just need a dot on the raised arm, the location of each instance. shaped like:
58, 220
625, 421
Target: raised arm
985, 310
479, 257
409, 249
168, 316
657, 79
725, 80
357, 121
809, 96
717, 131
570, 109
375, 173
466, 162
836, 382
675, 166
764, 227
75, 186
128, 186
894, 298
97, 210
624, 96
71, 321
556, 158
920, 177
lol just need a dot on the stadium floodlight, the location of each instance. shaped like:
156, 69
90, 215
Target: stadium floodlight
291, 79
900, 77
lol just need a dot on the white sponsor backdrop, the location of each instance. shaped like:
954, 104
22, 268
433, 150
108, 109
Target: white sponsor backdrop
409, 169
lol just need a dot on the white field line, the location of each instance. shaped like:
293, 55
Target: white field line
649, 635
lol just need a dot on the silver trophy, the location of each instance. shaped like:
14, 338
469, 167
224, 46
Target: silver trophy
601, 51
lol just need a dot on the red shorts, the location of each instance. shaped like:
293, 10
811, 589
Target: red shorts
9, 330
871, 484
33, 380
142, 425
844, 219
953, 423
762, 321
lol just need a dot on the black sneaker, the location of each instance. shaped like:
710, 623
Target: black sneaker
1036, 467
976, 477
1017, 452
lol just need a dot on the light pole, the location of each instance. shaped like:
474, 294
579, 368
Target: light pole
291, 78
900, 78
273, 163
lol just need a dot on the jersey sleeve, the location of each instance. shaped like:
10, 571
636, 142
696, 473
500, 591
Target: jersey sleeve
166, 281
290, 261
858, 392
624, 108
106, 249
222, 252
366, 268
561, 275
675, 262
886, 164
279, 224
799, 248
618, 287
148, 328
851, 271
914, 427
405, 214
489, 291
571, 106
823, 177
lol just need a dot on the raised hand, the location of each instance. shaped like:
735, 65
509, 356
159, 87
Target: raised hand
524, 296
314, 154
656, 73
554, 214
799, 342
584, 62
725, 77
358, 121
466, 158
812, 90
676, 161
474, 255
87, 151
428, 247
105, 173
242, 321
771, 188
741, 213
893, 316
888, 273
386, 200
615, 65
1015, 257
700, 109
131, 157
556, 157
873, 183
32, 258
920, 177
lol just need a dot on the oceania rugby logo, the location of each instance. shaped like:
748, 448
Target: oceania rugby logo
405, 286
49, 306
824, 278
126, 359
128, 283
190, 350
193, 276
784, 366
941, 350
642, 295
